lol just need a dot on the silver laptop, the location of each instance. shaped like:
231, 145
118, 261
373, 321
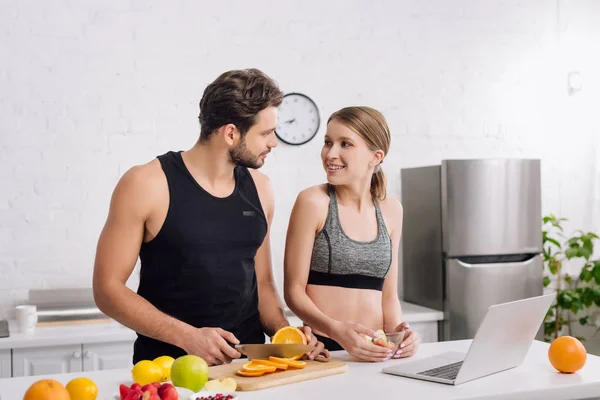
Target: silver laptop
501, 342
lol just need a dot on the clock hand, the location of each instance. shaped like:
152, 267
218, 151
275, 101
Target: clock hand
290, 121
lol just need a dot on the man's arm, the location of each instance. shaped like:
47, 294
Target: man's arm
117, 251
270, 305
116, 255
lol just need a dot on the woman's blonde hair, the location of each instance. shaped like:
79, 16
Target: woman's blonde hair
372, 126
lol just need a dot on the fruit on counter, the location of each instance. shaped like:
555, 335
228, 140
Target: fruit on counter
146, 371
290, 334
221, 385
165, 362
190, 372
151, 391
257, 367
82, 389
290, 362
218, 396
168, 392
567, 354
47, 389
278, 365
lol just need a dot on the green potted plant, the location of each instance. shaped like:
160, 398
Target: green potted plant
576, 294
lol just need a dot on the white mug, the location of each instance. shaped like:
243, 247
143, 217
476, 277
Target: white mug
26, 318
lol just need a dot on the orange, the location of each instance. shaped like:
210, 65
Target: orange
567, 354
289, 362
47, 389
251, 367
270, 363
82, 389
289, 334
250, 373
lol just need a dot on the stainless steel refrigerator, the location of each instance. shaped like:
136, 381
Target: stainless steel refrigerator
472, 237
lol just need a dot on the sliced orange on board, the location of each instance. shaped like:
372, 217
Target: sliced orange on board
292, 363
277, 365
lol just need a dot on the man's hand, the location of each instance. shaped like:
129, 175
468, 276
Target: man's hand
212, 344
409, 344
312, 341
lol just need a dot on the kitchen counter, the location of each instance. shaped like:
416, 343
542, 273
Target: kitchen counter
67, 334
113, 331
534, 379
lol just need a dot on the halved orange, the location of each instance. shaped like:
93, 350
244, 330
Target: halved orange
250, 373
251, 367
270, 364
289, 362
289, 334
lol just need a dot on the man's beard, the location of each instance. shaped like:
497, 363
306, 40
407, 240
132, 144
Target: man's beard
240, 155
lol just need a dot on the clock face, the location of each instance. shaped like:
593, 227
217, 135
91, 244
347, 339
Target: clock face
298, 119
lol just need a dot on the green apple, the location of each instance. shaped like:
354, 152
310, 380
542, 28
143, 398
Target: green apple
190, 372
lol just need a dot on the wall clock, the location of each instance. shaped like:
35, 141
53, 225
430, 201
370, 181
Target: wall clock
298, 119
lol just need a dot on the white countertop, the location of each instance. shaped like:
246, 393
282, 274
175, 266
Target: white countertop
100, 332
113, 332
534, 379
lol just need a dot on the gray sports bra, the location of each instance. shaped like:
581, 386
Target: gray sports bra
338, 260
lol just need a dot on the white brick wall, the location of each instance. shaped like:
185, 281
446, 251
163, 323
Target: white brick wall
88, 89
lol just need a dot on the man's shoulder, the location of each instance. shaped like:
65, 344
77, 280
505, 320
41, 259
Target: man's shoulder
142, 184
144, 174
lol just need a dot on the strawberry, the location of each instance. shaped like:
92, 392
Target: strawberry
136, 386
157, 384
164, 387
124, 391
134, 395
149, 388
151, 396
170, 393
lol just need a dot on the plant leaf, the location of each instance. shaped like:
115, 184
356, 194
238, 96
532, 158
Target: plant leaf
572, 252
547, 281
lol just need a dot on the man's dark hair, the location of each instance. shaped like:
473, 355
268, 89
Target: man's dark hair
235, 97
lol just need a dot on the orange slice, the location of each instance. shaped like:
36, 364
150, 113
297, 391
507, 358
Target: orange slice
270, 364
289, 334
250, 373
289, 362
251, 367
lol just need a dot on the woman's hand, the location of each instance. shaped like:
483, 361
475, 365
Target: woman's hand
348, 335
410, 343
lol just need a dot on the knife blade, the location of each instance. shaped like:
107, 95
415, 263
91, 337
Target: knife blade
264, 351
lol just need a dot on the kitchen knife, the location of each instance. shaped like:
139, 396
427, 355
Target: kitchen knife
263, 351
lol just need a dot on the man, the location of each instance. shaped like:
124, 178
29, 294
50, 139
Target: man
199, 221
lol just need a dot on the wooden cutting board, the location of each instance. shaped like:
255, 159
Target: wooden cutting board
313, 370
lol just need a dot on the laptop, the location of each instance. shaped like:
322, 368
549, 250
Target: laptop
501, 342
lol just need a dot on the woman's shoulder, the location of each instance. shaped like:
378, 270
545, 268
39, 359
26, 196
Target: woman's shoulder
392, 211
314, 196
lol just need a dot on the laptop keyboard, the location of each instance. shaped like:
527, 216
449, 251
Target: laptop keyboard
448, 371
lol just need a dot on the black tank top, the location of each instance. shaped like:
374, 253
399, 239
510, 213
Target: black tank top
200, 266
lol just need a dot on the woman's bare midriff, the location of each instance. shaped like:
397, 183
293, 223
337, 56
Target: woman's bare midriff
362, 306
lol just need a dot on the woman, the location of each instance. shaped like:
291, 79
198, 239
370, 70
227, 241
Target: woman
341, 265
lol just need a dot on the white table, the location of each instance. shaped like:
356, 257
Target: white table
534, 379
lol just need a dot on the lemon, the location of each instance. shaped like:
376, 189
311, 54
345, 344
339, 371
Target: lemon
165, 362
82, 389
146, 371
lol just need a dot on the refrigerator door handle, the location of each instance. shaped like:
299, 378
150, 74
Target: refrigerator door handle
478, 261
